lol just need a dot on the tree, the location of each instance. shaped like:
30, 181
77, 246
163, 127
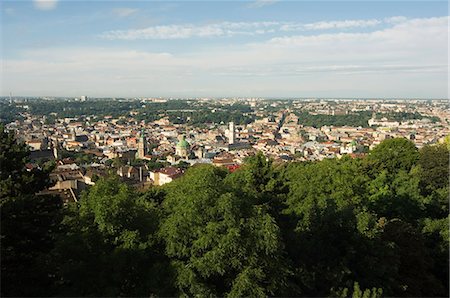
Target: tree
434, 161
15, 179
110, 246
28, 223
330, 226
393, 188
436, 237
258, 180
433, 175
183, 164
411, 262
358, 293
396, 196
220, 244
393, 155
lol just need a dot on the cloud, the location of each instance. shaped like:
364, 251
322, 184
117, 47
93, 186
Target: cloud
261, 3
187, 31
342, 24
408, 58
229, 29
416, 31
45, 4
124, 11
330, 25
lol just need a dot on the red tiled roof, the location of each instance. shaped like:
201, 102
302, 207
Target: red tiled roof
171, 171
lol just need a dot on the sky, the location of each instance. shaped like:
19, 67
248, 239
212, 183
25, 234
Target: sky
263, 48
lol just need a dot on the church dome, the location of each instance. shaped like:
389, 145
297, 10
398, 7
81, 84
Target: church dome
183, 144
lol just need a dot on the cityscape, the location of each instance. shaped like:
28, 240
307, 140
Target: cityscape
220, 132
256, 148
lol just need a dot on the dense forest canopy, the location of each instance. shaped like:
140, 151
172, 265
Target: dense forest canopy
191, 112
370, 227
195, 113
317, 121
404, 116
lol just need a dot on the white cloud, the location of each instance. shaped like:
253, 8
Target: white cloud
45, 4
414, 32
342, 24
330, 25
407, 58
227, 29
124, 11
189, 30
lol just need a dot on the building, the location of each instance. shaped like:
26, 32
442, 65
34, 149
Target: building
231, 134
183, 148
133, 173
34, 145
165, 175
348, 148
142, 146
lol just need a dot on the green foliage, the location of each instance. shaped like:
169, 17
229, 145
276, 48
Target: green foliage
433, 174
324, 205
15, 180
317, 121
399, 116
410, 261
257, 180
202, 117
396, 196
337, 227
341, 216
358, 293
183, 165
405, 116
436, 237
220, 245
98, 108
110, 245
154, 165
393, 155
28, 223
9, 112
79, 157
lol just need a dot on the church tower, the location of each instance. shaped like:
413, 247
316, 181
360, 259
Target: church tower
55, 148
142, 146
231, 134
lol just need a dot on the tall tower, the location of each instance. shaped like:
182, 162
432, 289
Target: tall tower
231, 135
142, 146
55, 148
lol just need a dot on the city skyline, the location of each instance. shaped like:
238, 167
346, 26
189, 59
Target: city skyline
247, 49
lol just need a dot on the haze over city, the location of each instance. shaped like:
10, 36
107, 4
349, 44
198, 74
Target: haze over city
212, 48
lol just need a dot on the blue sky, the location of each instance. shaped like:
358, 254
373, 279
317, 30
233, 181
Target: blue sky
213, 48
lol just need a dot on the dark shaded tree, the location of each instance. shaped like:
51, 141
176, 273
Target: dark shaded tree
28, 223
110, 245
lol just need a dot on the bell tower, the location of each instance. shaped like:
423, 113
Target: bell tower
142, 146
231, 134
